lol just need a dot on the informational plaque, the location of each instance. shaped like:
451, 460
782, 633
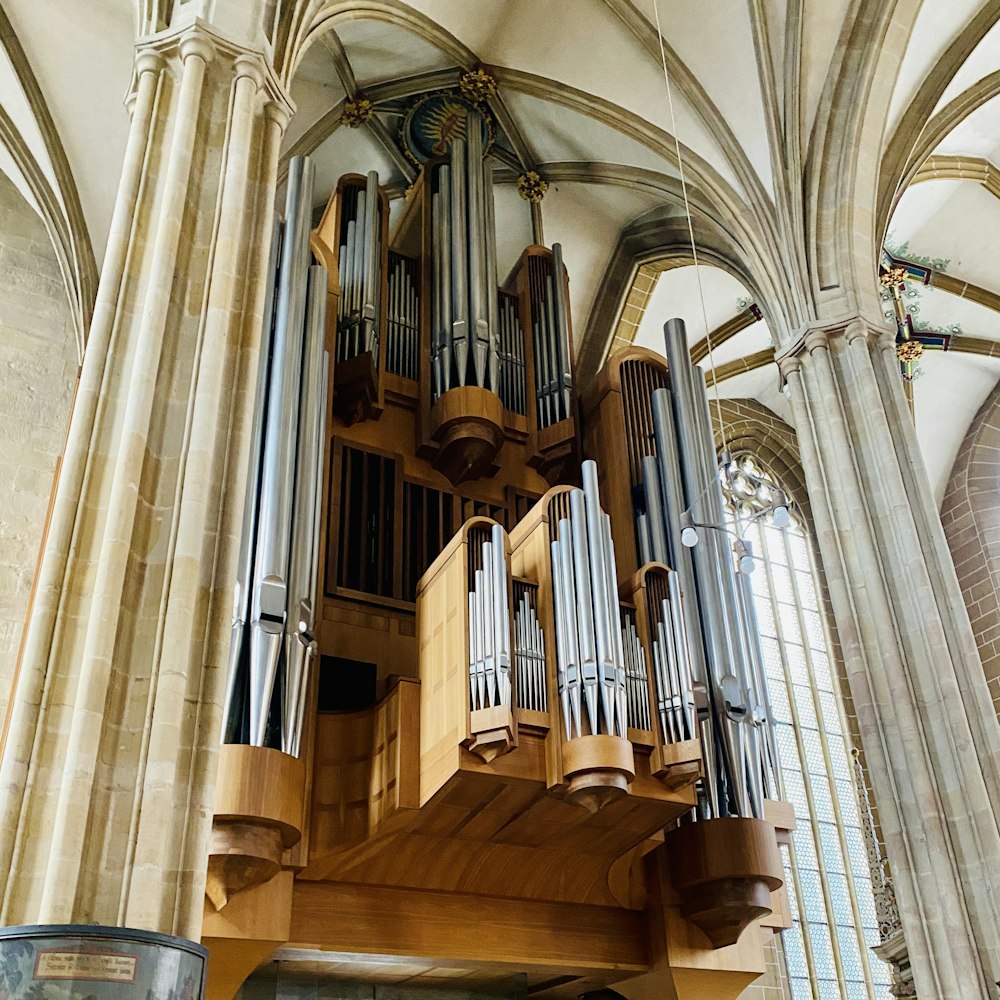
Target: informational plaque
70, 962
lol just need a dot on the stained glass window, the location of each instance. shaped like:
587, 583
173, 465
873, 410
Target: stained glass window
830, 890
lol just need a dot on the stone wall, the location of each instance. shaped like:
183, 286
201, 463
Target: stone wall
970, 513
38, 367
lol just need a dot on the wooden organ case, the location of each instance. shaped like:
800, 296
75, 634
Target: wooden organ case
466, 777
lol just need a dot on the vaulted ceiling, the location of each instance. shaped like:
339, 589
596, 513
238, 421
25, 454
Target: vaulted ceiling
808, 131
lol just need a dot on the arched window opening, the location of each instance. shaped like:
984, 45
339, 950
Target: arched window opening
828, 876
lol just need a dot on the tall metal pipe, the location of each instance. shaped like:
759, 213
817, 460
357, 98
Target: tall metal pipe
501, 614
241, 600
565, 373
493, 313
603, 626
654, 508
560, 603
369, 312
300, 617
672, 495
270, 595
459, 258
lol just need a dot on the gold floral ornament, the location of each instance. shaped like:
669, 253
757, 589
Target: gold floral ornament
477, 85
892, 277
357, 111
531, 187
909, 351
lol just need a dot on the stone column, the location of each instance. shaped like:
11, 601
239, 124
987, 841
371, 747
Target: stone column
108, 767
929, 733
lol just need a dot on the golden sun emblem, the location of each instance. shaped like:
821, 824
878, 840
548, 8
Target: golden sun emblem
445, 124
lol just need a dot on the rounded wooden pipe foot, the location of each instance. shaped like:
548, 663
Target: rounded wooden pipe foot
596, 789
724, 871
724, 909
242, 855
467, 424
599, 769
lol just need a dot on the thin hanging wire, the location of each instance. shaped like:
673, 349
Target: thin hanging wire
690, 225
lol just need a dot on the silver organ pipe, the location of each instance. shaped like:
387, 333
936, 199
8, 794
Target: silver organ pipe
529, 650
489, 626
402, 318
465, 338
550, 338
707, 637
511, 354
360, 282
591, 668
278, 566
300, 640
636, 677
231, 731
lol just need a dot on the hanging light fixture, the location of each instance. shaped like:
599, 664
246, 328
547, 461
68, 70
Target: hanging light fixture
774, 502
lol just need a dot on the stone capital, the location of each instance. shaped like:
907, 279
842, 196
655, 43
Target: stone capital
148, 60
199, 38
279, 112
196, 44
250, 66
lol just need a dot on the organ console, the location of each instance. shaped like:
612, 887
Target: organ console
477, 681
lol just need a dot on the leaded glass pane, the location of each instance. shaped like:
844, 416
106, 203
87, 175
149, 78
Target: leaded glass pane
881, 975
838, 749
814, 629
788, 618
796, 659
822, 803
839, 896
850, 953
772, 661
795, 790
778, 695
840, 766
857, 853
822, 951
812, 893
805, 848
788, 751
812, 749
793, 899
829, 990
781, 581
821, 671
828, 711
805, 707
775, 541
866, 904
795, 954
806, 589
801, 990
832, 855
799, 548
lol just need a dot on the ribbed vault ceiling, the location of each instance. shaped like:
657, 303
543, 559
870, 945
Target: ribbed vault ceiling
762, 90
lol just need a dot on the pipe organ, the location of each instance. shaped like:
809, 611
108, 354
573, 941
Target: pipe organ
476, 677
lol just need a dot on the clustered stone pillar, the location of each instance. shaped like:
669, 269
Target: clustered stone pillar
107, 772
928, 730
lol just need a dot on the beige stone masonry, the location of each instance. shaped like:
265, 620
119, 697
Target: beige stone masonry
107, 772
38, 367
927, 726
